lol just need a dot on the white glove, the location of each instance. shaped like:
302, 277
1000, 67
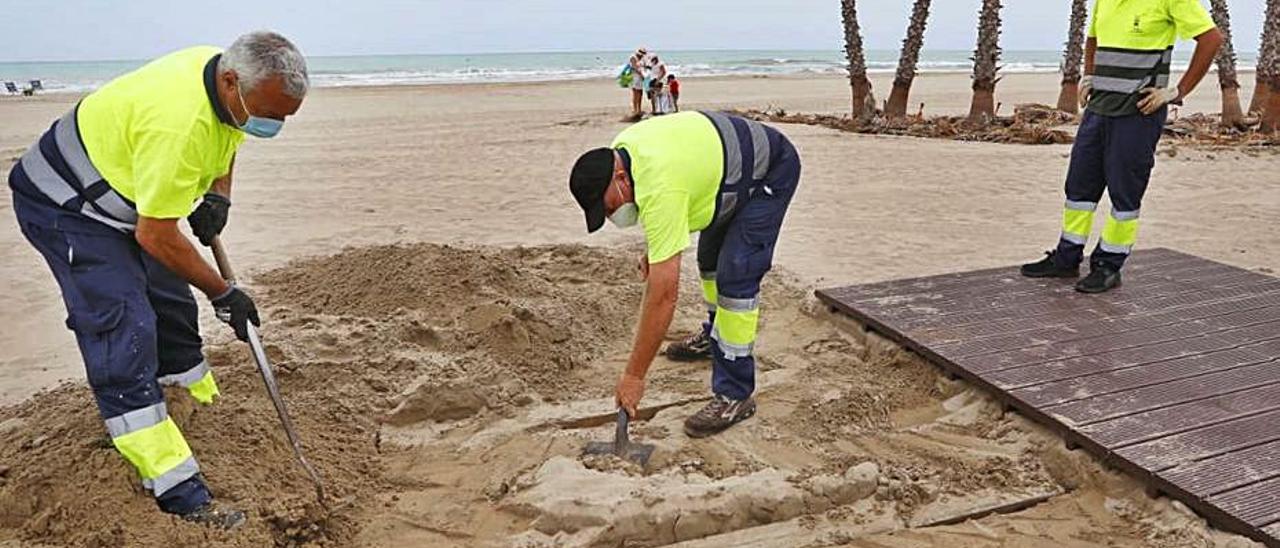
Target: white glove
1086, 89
1156, 98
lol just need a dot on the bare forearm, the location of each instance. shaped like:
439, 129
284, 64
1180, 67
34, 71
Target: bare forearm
1090, 53
174, 251
1207, 45
222, 185
655, 319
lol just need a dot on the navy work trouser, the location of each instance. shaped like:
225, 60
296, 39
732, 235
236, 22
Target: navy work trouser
733, 259
136, 325
1115, 154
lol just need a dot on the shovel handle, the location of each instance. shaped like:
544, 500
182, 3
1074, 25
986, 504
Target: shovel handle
620, 437
224, 264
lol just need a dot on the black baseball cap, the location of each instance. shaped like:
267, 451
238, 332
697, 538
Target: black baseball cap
588, 182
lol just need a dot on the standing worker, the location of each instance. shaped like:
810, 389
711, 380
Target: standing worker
1126, 95
100, 195
729, 178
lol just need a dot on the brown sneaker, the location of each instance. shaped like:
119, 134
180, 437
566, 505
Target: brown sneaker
694, 348
718, 415
216, 516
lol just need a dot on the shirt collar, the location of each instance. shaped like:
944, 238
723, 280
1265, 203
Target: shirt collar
211, 88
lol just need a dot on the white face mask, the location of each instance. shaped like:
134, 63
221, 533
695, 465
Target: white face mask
627, 214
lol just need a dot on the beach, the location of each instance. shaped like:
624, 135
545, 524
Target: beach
487, 164
469, 182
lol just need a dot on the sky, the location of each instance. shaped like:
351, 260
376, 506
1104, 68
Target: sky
66, 30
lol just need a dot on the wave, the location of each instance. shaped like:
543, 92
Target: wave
426, 70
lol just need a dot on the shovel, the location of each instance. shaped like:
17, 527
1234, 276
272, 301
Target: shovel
269, 378
621, 445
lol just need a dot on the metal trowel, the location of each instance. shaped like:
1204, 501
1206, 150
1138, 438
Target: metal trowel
621, 445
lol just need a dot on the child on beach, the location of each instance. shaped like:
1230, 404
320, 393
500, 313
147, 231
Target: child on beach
662, 100
673, 87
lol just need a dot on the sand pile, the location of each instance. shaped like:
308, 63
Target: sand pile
445, 395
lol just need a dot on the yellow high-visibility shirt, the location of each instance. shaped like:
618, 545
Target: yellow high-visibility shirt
1147, 25
677, 163
154, 136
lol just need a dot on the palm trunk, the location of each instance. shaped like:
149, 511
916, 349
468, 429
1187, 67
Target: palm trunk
1232, 115
1073, 59
1265, 92
906, 75
986, 63
1260, 95
862, 105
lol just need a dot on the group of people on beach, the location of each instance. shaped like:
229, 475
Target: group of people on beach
647, 76
100, 195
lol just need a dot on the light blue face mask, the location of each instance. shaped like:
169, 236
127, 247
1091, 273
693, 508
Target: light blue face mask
258, 126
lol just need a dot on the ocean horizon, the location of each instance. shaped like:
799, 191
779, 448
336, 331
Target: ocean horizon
416, 69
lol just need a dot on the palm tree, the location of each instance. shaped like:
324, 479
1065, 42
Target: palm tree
863, 105
911, 45
1269, 67
1232, 115
986, 63
1073, 59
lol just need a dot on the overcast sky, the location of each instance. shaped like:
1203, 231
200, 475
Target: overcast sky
33, 30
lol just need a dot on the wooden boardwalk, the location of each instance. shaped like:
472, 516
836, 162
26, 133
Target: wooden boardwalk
1173, 377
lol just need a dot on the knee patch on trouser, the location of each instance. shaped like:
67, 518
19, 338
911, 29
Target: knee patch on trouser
198, 381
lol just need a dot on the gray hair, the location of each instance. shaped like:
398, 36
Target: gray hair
262, 54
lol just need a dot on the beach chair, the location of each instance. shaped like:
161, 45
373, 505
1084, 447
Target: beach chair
11, 87
37, 85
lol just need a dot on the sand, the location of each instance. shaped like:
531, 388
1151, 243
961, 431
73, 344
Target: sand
444, 389
442, 397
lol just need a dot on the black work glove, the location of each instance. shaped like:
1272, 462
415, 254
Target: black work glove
210, 217
236, 309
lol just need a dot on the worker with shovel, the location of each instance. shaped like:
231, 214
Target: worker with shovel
726, 177
99, 196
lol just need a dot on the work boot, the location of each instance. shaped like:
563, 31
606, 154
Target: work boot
1048, 268
1101, 278
214, 515
718, 415
693, 348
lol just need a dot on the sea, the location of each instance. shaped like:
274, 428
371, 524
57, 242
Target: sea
390, 70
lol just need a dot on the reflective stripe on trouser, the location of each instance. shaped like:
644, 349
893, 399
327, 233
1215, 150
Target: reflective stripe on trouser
740, 252
1120, 232
1115, 155
709, 293
1077, 221
58, 166
133, 320
150, 440
198, 381
734, 328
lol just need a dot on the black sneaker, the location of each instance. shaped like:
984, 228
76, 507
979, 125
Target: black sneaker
1101, 279
718, 415
216, 516
694, 348
1048, 268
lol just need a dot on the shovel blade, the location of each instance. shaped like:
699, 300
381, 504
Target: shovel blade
638, 453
